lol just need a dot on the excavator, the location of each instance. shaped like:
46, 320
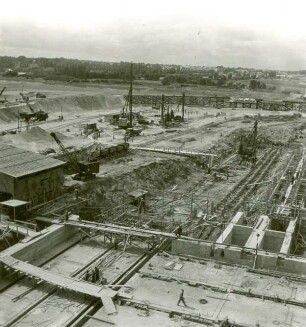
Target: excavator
84, 170
39, 115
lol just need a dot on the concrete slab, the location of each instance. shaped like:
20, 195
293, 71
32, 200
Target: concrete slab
241, 309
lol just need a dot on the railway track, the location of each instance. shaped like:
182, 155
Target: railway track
234, 200
48, 293
83, 317
77, 306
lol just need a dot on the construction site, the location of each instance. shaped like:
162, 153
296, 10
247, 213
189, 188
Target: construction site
138, 206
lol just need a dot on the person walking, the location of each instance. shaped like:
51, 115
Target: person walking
182, 299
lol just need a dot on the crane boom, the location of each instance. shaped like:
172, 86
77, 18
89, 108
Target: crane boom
39, 115
70, 157
27, 102
2, 90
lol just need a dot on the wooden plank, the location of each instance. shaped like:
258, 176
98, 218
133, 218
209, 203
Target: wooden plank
99, 319
108, 304
68, 283
169, 265
178, 266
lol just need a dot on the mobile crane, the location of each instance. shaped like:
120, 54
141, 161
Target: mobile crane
39, 115
84, 170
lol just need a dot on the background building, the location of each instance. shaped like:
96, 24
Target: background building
28, 176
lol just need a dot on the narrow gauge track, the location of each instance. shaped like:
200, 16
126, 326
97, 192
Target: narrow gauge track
82, 318
232, 201
87, 305
51, 291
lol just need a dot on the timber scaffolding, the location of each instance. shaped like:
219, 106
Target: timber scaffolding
217, 102
115, 233
236, 198
180, 152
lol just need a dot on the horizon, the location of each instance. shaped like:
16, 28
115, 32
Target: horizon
155, 63
255, 34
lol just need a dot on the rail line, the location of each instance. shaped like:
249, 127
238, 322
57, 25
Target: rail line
51, 291
86, 307
83, 317
233, 200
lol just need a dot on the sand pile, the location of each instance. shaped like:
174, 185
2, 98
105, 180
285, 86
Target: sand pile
34, 134
68, 104
34, 139
73, 104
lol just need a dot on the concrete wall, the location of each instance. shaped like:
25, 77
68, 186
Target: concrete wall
240, 256
49, 244
294, 265
273, 240
266, 261
240, 235
226, 236
40, 187
198, 249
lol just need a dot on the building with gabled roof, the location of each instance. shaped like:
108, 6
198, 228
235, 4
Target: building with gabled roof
28, 176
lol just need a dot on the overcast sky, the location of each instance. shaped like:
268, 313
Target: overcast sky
248, 33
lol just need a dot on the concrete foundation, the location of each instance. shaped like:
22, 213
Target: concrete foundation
53, 240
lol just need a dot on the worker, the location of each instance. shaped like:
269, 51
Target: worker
76, 192
179, 231
93, 278
86, 277
182, 299
97, 273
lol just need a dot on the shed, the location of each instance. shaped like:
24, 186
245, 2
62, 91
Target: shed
15, 209
138, 197
29, 176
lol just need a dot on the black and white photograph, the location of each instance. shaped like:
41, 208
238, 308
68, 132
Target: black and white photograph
152, 163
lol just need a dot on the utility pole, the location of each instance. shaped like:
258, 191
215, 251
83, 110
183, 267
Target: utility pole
191, 206
183, 105
163, 203
131, 97
162, 108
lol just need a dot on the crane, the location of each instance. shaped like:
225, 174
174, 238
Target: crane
38, 115
132, 131
3, 89
84, 170
248, 145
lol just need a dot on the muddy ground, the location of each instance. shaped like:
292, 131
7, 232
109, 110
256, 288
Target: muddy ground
178, 187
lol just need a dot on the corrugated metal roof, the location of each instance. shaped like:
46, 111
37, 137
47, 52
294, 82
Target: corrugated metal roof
17, 162
14, 203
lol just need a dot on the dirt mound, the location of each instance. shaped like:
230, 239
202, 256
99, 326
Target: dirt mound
11, 113
154, 176
79, 103
69, 104
34, 139
34, 134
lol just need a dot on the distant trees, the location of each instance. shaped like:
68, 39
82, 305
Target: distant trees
255, 85
74, 70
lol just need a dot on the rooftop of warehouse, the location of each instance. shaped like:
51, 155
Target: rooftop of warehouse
17, 162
